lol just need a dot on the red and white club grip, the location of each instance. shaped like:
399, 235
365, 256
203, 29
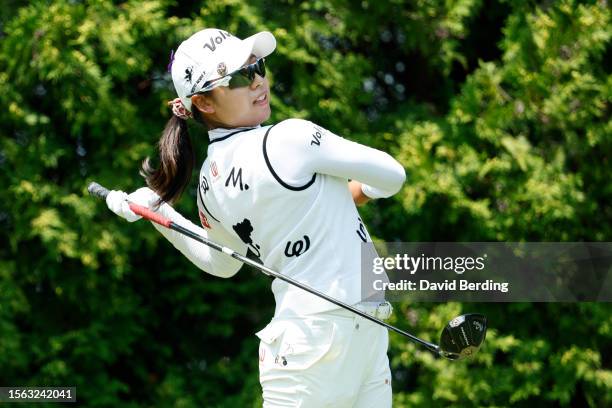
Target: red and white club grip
144, 212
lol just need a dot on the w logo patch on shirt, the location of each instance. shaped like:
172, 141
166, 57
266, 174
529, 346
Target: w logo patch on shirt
298, 247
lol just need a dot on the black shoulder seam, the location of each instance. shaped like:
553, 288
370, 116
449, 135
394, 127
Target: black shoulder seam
204, 205
281, 182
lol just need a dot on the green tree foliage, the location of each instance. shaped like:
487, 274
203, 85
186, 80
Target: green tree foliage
499, 110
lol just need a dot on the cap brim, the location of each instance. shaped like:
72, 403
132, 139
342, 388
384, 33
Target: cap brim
260, 45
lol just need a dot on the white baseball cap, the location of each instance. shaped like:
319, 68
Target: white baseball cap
211, 54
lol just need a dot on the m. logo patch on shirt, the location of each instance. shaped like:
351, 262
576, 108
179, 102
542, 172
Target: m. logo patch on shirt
236, 178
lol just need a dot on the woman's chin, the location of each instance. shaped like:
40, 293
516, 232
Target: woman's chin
261, 116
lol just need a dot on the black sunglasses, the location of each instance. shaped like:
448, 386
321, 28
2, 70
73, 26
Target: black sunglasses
239, 78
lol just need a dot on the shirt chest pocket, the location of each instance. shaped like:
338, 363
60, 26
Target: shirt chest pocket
296, 344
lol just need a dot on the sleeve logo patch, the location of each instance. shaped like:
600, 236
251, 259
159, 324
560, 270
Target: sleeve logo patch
316, 136
214, 170
363, 235
204, 220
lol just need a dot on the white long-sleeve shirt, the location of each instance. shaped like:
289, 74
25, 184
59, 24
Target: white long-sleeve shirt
279, 194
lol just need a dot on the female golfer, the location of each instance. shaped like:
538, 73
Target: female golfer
285, 196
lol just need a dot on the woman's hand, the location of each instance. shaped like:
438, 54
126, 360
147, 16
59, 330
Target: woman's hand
117, 202
358, 196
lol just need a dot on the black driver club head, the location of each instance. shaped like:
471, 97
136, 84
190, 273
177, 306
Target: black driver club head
463, 336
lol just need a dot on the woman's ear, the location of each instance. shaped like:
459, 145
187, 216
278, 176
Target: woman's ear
203, 102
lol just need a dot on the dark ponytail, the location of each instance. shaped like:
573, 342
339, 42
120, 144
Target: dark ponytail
176, 161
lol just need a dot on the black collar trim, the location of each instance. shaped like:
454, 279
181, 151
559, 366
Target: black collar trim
230, 135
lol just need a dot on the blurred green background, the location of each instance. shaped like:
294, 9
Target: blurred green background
499, 111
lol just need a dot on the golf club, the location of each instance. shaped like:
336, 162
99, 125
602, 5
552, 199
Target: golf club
462, 336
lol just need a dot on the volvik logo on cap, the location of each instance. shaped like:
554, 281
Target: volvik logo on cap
212, 45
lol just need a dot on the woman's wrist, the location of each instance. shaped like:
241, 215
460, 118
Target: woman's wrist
359, 197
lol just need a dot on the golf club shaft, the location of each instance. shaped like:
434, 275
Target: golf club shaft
97, 190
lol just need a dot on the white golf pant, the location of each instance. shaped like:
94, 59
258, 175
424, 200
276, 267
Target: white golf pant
332, 359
